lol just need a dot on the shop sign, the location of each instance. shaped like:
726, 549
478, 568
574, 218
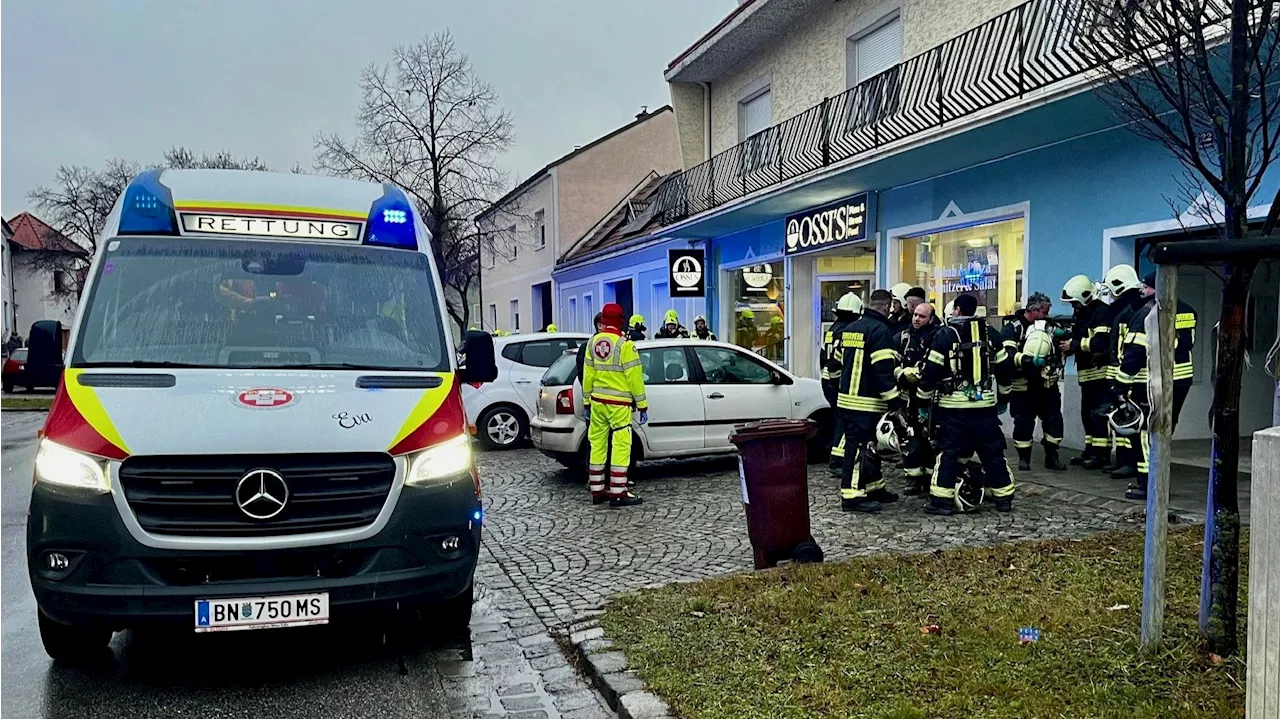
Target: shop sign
757, 277
973, 277
686, 273
831, 225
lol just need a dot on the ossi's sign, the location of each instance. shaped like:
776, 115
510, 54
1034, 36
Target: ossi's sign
835, 224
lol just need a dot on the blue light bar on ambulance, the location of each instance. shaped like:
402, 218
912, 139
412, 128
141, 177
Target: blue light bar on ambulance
391, 221
148, 207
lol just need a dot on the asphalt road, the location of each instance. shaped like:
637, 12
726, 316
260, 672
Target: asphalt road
325, 671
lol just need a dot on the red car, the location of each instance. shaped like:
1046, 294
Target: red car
15, 370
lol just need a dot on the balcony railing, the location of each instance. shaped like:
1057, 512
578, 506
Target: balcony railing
1027, 48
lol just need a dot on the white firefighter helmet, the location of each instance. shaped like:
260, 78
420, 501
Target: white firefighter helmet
899, 291
949, 308
1079, 290
1121, 278
887, 433
1126, 419
981, 311
1039, 343
849, 302
969, 488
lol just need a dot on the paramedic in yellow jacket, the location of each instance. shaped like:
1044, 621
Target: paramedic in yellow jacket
612, 385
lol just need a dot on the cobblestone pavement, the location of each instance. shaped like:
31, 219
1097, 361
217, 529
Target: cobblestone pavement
566, 556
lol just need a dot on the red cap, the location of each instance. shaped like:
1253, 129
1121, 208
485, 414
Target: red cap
612, 314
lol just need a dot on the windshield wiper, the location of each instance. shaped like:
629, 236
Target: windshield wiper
338, 365
148, 364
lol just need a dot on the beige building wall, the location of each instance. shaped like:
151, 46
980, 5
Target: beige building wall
691, 121
504, 278
592, 183
808, 63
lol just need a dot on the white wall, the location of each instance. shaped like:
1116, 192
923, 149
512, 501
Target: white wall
504, 279
34, 300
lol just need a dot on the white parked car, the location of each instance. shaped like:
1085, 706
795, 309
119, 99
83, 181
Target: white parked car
499, 411
697, 392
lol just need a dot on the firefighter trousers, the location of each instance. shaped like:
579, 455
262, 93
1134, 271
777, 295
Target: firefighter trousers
917, 463
860, 472
832, 392
961, 433
610, 436
1142, 442
1093, 394
1044, 404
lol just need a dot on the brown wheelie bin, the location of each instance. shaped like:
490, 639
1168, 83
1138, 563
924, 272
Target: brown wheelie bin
773, 464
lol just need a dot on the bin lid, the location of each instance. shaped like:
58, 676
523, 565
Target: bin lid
773, 429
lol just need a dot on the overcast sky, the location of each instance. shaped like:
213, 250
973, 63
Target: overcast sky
85, 80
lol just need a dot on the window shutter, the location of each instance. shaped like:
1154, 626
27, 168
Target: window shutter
757, 114
878, 50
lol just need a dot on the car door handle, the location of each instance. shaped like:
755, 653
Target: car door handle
715, 395
523, 381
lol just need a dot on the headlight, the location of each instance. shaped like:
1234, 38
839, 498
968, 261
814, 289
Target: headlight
63, 467
444, 461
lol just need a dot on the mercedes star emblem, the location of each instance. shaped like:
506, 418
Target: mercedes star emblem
262, 494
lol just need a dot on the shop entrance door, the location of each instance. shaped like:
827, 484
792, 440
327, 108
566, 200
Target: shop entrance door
827, 291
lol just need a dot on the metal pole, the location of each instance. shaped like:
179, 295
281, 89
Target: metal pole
1162, 338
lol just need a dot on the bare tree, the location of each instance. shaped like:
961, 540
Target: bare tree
1197, 76
77, 204
429, 124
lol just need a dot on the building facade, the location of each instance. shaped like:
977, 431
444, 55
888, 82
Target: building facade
8, 322
533, 225
959, 147
42, 288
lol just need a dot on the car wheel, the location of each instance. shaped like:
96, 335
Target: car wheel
454, 615
66, 643
502, 427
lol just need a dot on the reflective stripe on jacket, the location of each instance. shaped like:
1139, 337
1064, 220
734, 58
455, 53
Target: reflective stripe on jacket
611, 372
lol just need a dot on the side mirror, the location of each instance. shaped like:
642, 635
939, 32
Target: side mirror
479, 364
779, 378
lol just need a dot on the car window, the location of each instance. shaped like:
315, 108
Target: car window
19, 355
542, 353
666, 365
722, 366
512, 352
563, 371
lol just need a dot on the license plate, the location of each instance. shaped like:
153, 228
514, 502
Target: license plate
230, 615
535, 434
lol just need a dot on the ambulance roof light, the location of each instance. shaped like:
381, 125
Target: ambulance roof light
148, 207
391, 221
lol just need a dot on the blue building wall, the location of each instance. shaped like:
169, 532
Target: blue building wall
582, 290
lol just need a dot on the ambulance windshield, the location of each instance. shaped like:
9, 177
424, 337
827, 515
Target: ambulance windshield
245, 304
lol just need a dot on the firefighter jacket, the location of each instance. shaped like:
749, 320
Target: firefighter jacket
709, 336
1133, 363
665, 334
636, 333
913, 346
1122, 310
870, 356
968, 367
1090, 341
1026, 375
611, 372
831, 357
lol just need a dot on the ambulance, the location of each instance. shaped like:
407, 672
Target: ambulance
260, 423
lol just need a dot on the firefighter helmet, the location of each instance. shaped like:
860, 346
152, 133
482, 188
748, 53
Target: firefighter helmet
1079, 290
1121, 278
849, 302
970, 489
894, 433
1126, 419
637, 320
1039, 343
900, 290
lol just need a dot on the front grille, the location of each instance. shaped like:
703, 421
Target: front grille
195, 495
326, 564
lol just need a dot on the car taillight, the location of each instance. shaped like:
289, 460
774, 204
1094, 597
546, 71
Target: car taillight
564, 402
476, 385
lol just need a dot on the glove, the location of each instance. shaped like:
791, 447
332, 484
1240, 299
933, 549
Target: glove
922, 414
586, 413
644, 416
1038, 362
1002, 408
911, 374
1060, 332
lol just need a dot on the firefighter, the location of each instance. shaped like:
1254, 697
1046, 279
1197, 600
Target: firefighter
832, 364
914, 344
612, 385
1035, 395
745, 332
636, 328
971, 373
774, 337
551, 327
899, 316
1133, 374
1088, 344
867, 391
700, 329
1126, 292
671, 327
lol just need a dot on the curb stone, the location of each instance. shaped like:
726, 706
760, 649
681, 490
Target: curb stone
606, 668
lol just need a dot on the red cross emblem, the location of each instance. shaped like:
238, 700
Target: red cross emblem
603, 349
265, 398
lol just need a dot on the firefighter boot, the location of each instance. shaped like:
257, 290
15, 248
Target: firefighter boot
882, 495
861, 504
1052, 460
625, 500
1024, 458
